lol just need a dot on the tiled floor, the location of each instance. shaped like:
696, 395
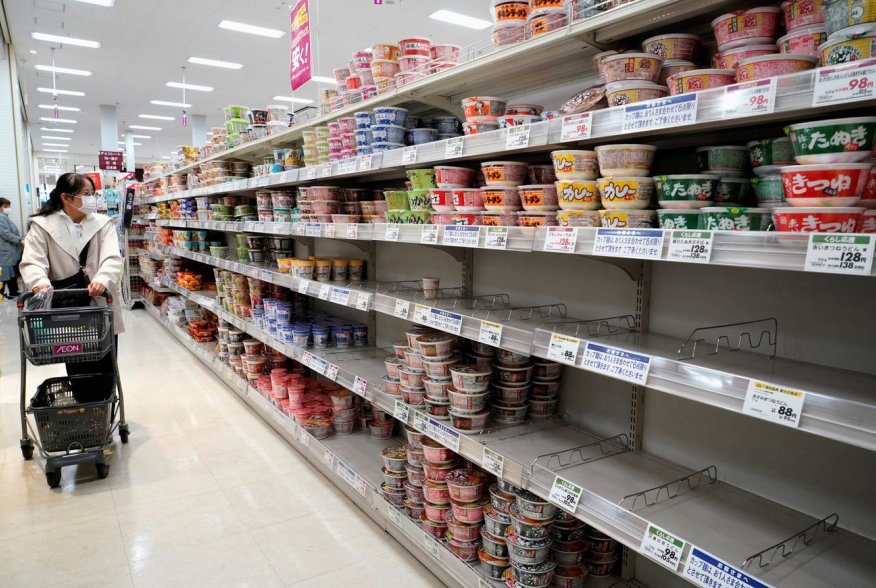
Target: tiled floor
204, 494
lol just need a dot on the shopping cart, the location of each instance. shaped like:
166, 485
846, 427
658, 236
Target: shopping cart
74, 416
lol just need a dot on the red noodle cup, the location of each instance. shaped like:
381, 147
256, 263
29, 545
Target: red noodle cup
445, 53
418, 46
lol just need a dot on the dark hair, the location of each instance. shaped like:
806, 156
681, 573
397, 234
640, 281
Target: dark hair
68, 183
4, 202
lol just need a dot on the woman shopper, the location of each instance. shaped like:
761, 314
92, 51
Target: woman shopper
10, 251
68, 245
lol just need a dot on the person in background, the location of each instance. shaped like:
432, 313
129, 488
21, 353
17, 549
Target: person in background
68, 245
10, 251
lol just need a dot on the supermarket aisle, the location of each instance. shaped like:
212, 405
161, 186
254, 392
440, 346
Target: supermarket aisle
205, 494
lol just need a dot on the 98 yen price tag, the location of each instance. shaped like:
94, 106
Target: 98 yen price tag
662, 547
565, 494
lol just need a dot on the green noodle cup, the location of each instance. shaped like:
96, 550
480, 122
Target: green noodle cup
397, 200
420, 200
729, 161
416, 217
691, 191
839, 14
837, 140
731, 218
679, 219
395, 216
733, 192
422, 179
768, 190
771, 152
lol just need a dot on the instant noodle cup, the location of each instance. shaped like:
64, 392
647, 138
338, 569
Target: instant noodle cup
575, 164
770, 66
749, 27
625, 159
577, 195
804, 41
695, 80
802, 13
628, 219
622, 193
674, 46
632, 91
631, 66
818, 220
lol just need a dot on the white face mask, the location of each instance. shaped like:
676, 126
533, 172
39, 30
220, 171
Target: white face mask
89, 204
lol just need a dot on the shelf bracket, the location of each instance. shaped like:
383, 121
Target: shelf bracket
670, 490
743, 334
580, 455
788, 546
598, 327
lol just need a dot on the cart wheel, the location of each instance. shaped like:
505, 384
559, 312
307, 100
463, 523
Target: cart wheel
54, 479
123, 433
102, 470
27, 451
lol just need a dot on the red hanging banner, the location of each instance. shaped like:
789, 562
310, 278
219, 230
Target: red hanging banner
110, 160
300, 62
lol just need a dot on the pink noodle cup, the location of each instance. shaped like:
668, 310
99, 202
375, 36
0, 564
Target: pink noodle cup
384, 51
437, 453
804, 41
632, 91
445, 53
802, 13
539, 198
384, 68
699, 79
413, 64
674, 46
448, 177
501, 199
672, 67
769, 66
415, 46
442, 200
632, 66
468, 200
750, 27
731, 58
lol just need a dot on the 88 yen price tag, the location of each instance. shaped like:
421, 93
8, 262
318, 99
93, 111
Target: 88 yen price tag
563, 349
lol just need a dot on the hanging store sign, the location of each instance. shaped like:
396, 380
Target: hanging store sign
300, 62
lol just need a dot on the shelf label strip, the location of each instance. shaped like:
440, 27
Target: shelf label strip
662, 547
616, 363
661, 113
630, 243
444, 435
840, 254
707, 571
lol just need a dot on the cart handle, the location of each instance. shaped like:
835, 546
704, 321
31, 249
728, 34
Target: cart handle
28, 295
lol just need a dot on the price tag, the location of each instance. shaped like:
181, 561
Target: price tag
330, 230
461, 236
263, 181
445, 320
496, 238
402, 309
328, 458
352, 231
454, 147
518, 137
845, 83
302, 286
313, 229
331, 372
266, 275
490, 333
432, 546
259, 227
421, 314
492, 462
347, 166
324, 291
576, 127
307, 173
395, 515
365, 162
773, 403
359, 386
421, 422
401, 411
340, 296
392, 233
750, 98
429, 236
840, 254
325, 170
277, 228
565, 494
691, 246
363, 302
662, 547
632, 243
444, 435
707, 571
561, 239
661, 113
304, 437
317, 364
360, 484
563, 348
409, 155
616, 363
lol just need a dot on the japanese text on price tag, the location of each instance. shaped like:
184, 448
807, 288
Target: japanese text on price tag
363, 301
565, 494
616, 363
340, 296
848, 82
662, 547
392, 233
561, 239
445, 320
421, 422
365, 162
352, 231
660, 113
576, 127
490, 333
691, 246
492, 462
331, 372
409, 155
773, 403
429, 236
518, 137
347, 166
402, 309
304, 437
360, 386
635, 243
432, 546
454, 147
401, 411
840, 254
330, 230
328, 458
302, 286
563, 348
757, 97
325, 170
395, 515
313, 229
421, 314
324, 291
496, 238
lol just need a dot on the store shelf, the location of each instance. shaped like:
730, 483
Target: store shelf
839, 404
350, 462
722, 519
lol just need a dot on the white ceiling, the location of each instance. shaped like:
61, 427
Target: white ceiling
146, 42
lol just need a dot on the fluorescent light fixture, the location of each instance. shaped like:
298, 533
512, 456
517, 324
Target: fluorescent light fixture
155, 117
69, 121
57, 150
209, 133
166, 103
33, 52
141, 136
64, 108
165, 157
324, 80
462, 20
65, 40
63, 70
144, 128
52, 138
194, 87
56, 130
215, 63
293, 100
55, 145
106, 3
251, 29
60, 92
135, 143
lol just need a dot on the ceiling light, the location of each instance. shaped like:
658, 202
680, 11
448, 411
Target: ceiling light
63, 70
60, 92
215, 63
64, 108
58, 120
166, 103
141, 136
56, 150
182, 86
106, 3
165, 157
144, 128
33, 52
324, 80
134, 144
56, 130
51, 138
290, 99
156, 117
65, 40
462, 20
55, 145
251, 29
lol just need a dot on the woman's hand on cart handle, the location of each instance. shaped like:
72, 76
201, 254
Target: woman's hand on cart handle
41, 287
96, 289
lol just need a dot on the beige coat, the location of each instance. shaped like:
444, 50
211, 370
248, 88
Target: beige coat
51, 252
